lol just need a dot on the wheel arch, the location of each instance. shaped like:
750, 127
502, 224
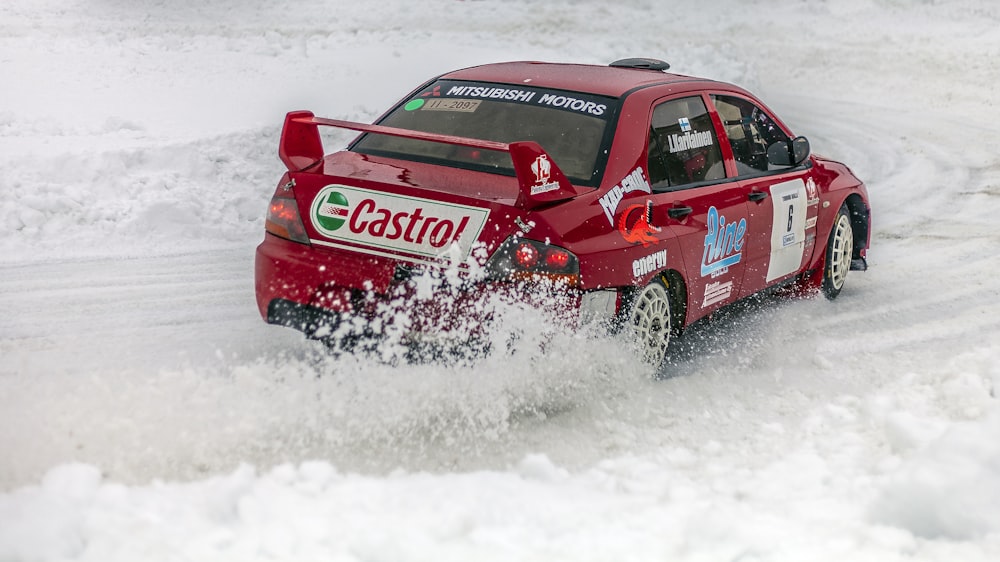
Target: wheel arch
676, 289
860, 222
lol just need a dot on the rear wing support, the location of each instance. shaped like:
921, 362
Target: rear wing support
539, 178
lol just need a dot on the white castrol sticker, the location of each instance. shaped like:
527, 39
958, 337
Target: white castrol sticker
399, 223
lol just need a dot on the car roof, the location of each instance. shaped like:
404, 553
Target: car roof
594, 79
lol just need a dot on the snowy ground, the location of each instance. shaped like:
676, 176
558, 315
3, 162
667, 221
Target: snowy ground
146, 413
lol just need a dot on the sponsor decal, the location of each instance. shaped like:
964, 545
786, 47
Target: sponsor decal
812, 192
432, 93
635, 181
810, 223
580, 103
685, 124
635, 225
332, 212
788, 228
451, 104
544, 188
723, 244
542, 169
485, 92
575, 104
717, 292
688, 140
789, 199
525, 227
649, 264
406, 224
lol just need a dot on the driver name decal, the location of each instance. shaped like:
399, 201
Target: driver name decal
689, 140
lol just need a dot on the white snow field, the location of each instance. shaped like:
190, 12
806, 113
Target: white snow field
147, 413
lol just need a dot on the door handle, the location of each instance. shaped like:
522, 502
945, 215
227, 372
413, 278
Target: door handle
679, 212
758, 195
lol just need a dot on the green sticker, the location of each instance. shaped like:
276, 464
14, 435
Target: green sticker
332, 213
414, 104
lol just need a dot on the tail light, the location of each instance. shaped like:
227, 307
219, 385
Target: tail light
520, 259
283, 219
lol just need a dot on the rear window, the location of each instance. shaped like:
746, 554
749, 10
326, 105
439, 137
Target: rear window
572, 127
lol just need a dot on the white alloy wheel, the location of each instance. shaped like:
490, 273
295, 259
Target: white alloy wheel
650, 321
839, 251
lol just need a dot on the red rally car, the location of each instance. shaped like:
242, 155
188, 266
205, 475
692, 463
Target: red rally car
647, 198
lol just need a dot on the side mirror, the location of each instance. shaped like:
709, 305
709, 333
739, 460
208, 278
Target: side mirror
800, 150
788, 153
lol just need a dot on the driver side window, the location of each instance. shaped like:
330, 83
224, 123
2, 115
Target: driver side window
750, 132
683, 147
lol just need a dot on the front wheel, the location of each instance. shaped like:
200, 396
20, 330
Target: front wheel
839, 250
651, 322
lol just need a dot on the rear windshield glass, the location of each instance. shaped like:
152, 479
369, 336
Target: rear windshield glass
570, 126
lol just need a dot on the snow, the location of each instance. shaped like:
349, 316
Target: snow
147, 413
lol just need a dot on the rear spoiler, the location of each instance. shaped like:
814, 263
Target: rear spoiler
538, 177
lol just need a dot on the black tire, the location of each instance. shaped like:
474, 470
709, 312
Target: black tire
839, 251
651, 321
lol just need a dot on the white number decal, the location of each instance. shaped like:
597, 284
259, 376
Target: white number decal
788, 230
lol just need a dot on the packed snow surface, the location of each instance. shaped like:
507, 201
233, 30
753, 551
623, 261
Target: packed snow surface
147, 413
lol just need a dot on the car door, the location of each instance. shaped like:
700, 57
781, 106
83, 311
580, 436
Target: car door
706, 211
782, 200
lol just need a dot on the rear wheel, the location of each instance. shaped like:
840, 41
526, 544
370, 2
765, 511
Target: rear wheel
651, 322
839, 250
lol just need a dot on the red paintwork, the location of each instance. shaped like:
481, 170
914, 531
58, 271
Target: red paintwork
303, 126
572, 217
603, 80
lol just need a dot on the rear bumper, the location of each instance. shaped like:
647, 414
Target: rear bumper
292, 272
310, 320
316, 292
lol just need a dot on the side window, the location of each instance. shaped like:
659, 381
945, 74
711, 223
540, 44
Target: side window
750, 132
683, 147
